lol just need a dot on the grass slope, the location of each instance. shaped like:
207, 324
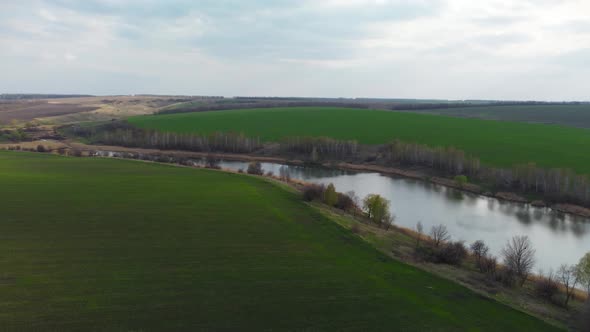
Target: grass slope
495, 143
122, 245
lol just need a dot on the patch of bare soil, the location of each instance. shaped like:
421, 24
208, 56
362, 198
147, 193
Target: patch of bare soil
29, 110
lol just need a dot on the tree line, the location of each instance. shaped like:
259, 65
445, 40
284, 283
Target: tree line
320, 147
123, 134
557, 183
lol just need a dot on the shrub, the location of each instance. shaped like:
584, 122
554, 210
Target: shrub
452, 253
255, 168
313, 192
346, 203
330, 195
425, 253
460, 180
546, 287
240, 170
41, 148
488, 265
506, 276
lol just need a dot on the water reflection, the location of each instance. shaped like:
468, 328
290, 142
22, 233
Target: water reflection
558, 238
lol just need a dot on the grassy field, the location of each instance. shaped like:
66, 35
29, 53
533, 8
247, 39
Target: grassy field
566, 115
494, 142
121, 245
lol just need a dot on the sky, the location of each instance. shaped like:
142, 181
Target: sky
445, 49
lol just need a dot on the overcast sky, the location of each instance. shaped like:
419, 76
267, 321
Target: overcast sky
451, 49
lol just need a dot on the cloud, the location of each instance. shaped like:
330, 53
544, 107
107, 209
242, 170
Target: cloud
388, 48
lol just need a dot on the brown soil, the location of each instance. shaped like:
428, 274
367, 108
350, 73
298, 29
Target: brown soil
29, 110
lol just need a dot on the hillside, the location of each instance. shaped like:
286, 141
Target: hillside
140, 246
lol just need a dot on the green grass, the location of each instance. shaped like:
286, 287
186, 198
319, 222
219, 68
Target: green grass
568, 115
97, 244
495, 143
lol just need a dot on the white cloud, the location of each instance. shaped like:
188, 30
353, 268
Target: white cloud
530, 49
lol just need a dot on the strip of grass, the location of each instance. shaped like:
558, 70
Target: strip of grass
123, 245
494, 142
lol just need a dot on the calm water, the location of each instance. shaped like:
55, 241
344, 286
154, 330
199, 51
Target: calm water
558, 238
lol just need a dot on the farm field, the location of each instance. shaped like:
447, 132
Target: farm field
125, 245
566, 115
496, 143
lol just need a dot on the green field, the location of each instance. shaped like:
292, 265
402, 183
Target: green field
98, 244
495, 143
567, 115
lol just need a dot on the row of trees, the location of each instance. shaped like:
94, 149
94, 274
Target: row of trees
320, 147
447, 159
561, 184
220, 142
556, 184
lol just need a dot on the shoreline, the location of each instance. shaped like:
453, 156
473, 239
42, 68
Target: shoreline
572, 209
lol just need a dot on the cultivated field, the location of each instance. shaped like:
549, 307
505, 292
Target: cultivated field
566, 115
494, 142
80, 109
29, 110
139, 246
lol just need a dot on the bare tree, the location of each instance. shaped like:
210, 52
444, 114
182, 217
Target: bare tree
519, 257
439, 234
568, 276
420, 231
479, 249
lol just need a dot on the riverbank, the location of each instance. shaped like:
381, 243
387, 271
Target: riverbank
417, 174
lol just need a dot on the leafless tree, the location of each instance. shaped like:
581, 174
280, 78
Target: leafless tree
479, 249
519, 257
568, 276
439, 234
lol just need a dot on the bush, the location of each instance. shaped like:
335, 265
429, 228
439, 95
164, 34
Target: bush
546, 287
425, 253
255, 168
330, 195
345, 203
313, 192
506, 276
461, 180
453, 253
41, 148
488, 265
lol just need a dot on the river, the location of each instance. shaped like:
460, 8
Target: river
557, 238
